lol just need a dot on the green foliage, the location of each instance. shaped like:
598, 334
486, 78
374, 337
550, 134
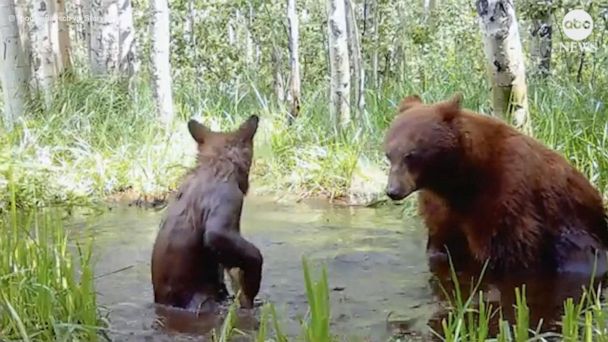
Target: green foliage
98, 139
468, 321
227, 327
522, 315
102, 136
537, 9
316, 327
463, 322
46, 287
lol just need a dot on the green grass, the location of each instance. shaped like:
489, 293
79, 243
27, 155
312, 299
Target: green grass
98, 139
469, 320
575, 123
101, 137
46, 283
47, 294
466, 320
315, 326
227, 329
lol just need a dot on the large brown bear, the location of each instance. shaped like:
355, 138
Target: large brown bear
490, 193
201, 233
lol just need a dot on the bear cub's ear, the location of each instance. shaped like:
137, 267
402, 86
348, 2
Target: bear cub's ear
409, 102
248, 128
198, 131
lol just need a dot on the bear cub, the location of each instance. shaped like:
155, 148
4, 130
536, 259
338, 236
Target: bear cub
200, 236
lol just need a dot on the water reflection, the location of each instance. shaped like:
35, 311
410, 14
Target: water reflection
378, 273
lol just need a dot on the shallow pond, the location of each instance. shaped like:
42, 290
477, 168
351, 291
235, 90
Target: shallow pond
375, 258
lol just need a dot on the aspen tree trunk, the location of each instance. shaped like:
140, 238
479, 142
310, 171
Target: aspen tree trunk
370, 30
189, 24
247, 40
238, 20
356, 61
278, 82
14, 66
351, 37
294, 60
61, 39
104, 36
190, 37
253, 44
80, 26
541, 42
127, 59
231, 33
505, 60
161, 65
387, 70
43, 31
112, 44
22, 13
429, 6
375, 59
339, 63
243, 40
367, 16
85, 33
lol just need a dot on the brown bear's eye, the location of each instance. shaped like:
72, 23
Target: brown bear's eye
409, 157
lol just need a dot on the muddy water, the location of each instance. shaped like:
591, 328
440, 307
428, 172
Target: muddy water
375, 258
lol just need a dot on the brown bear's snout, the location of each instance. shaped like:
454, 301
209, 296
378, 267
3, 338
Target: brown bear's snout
398, 188
394, 194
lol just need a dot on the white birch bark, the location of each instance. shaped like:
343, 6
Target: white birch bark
356, 61
244, 41
505, 60
189, 24
14, 66
85, 28
338, 62
161, 65
22, 13
541, 43
428, 7
104, 36
231, 33
43, 35
249, 46
76, 8
370, 30
278, 82
112, 43
294, 60
375, 56
238, 20
127, 59
60, 37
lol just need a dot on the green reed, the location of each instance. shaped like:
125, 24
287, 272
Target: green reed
46, 282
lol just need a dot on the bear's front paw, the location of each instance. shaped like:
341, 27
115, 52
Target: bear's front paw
246, 302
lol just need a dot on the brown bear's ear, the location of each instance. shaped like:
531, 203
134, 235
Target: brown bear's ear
409, 102
247, 130
450, 108
198, 131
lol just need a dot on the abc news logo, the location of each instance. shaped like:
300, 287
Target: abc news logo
577, 24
